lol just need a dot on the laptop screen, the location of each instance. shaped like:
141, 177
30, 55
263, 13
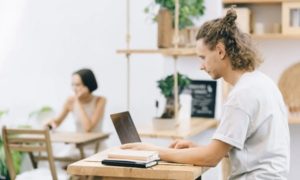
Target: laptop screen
125, 127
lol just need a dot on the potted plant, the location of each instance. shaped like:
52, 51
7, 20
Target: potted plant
166, 86
188, 10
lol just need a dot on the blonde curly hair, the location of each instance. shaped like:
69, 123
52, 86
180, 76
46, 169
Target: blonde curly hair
238, 45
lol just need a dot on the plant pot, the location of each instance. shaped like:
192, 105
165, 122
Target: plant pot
163, 124
169, 110
164, 28
165, 31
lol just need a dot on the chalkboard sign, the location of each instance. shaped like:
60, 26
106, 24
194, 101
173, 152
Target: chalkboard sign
203, 94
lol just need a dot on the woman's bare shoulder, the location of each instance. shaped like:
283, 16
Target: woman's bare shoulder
101, 99
70, 100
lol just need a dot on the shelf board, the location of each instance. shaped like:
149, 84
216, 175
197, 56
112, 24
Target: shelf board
254, 1
166, 52
192, 51
276, 36
184, 130
294, 120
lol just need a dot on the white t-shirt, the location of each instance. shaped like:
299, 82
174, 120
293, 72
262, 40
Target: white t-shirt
254, 122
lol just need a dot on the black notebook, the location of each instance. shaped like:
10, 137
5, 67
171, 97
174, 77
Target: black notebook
138, 164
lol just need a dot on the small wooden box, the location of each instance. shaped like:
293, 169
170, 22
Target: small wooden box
291, 18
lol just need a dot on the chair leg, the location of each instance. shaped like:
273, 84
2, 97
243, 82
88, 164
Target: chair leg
226, 168
33, 162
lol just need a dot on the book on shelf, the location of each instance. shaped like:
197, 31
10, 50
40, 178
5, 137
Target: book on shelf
131, 158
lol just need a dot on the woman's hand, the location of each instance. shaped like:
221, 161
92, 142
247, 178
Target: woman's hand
182, 144
50, 125
81, 93
141, 146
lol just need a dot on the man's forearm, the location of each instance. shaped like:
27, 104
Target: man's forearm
197, 156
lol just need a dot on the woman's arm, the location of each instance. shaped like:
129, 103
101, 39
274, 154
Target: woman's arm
61, 117
89, 123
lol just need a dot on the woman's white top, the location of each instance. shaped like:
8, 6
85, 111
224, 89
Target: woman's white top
254, 122
89, 108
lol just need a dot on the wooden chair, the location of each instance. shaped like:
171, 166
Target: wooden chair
33, 142
290, 88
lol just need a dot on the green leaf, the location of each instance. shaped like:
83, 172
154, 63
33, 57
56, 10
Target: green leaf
166, 85
16, 158
188, 9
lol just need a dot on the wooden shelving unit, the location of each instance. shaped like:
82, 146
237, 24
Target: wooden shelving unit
253, 6
178, 51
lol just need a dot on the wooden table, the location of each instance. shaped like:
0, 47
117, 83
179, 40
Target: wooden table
80, 140
92, 166
184, 130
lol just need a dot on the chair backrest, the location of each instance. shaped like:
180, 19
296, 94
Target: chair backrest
27, 140
290, 87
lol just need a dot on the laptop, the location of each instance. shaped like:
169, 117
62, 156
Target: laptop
125, 127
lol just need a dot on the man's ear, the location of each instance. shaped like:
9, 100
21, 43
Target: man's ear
221, 50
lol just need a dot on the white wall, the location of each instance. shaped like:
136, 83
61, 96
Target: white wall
43, 42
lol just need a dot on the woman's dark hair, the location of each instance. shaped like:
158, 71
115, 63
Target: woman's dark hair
238, 45
88, 79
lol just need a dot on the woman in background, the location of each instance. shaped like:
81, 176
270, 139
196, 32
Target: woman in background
87, 108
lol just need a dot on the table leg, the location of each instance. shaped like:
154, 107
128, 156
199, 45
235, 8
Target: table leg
83, 178
97, 146
90, 178
82, 155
